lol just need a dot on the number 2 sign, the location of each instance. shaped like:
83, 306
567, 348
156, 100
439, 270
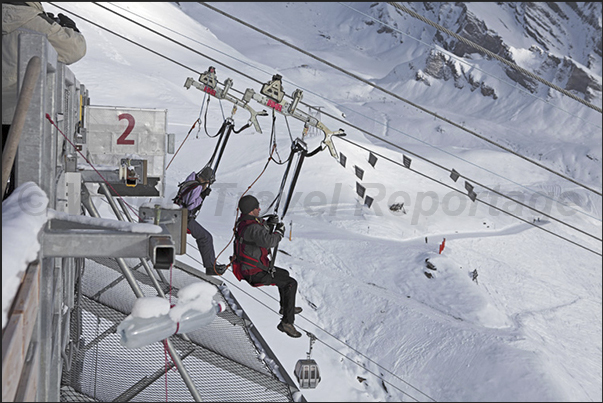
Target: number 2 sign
122, 139
114, 133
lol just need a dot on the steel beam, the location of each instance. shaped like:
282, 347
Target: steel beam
61, 240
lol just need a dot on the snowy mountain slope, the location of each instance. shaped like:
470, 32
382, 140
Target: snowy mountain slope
371, 50
529, 329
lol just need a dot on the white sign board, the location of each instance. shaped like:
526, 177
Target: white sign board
114, 133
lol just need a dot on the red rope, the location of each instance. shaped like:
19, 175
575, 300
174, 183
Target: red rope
165, 349
166, 369
89, 163
189, 132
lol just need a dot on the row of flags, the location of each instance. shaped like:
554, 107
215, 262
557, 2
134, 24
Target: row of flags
406, 161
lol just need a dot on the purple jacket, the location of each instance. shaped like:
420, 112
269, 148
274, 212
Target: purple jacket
193, 200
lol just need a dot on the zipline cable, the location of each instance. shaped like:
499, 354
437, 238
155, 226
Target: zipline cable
399, 97
460, 60
48, 117
495, 56
327, 114
493, 191
251, 78
487, 204
178, 63
333, 336
369, 371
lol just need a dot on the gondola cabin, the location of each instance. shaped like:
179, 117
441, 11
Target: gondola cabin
307, 373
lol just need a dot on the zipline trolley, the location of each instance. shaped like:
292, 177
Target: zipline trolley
271, 96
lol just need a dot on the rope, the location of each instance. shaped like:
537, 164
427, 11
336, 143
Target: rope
89, 163
491, 205
398, 97
288, 128
327, 114
177, 151
165, 347
500, 59
165, 355
303, 103
201, 112
273, 147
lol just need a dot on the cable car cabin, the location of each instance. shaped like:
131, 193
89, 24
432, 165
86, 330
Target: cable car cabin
307, 373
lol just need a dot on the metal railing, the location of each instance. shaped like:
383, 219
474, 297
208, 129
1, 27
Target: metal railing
70, 286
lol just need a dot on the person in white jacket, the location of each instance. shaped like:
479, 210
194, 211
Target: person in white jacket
62, 33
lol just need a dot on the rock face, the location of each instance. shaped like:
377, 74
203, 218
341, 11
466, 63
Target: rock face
565, 38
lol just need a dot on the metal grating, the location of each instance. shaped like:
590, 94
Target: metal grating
223, 361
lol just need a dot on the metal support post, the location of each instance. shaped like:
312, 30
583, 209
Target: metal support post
143, 261
120, 217
89, 205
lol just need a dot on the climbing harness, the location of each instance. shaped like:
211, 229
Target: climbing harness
183, 189
240, 257
265, 264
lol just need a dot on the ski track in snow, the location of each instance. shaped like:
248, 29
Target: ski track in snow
530, 330
341, 274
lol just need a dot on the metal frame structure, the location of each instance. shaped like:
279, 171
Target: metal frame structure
272, 96
68, 295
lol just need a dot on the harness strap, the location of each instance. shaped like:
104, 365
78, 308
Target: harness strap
188, 186
241, 256
252, 262
226, 124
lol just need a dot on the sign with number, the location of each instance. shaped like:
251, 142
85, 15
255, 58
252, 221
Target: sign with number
114, 133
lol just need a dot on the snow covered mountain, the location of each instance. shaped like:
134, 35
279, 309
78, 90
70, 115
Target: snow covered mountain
538, 36
558, 42
529, 327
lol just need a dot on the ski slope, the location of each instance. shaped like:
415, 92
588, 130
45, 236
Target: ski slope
529, 328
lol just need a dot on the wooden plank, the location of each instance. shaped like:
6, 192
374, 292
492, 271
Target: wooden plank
12, 357
27, 390
28, 301
17, 334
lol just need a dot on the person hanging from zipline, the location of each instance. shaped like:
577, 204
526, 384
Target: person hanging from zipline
253, 240
191, 194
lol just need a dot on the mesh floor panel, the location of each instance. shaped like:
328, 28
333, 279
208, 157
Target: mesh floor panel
221, 359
